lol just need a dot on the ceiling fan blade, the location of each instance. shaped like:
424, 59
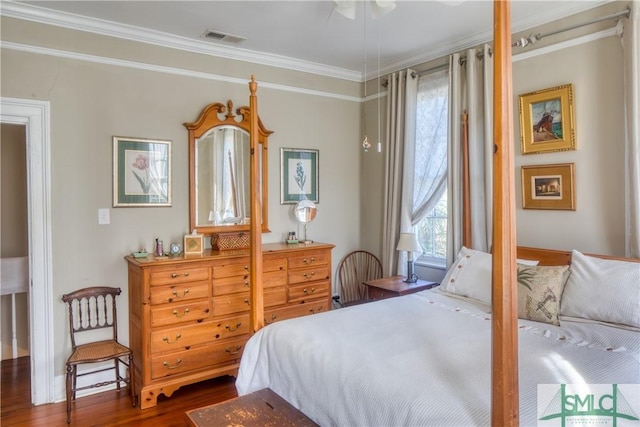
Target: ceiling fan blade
346, 8
380, 8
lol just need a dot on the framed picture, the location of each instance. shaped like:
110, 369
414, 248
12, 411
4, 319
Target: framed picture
141, 172
546, 120
548, 187
193, 244
298, 175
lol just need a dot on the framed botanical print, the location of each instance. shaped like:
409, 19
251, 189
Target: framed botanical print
546, 120
141, 172
298, 175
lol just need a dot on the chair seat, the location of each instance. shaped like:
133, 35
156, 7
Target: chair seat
98, 352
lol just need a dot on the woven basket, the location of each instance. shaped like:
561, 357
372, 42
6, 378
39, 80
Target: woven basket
227, 241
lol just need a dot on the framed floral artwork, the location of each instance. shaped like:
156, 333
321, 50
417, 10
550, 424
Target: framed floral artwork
141, 172
298, 175
548, 187
546, 120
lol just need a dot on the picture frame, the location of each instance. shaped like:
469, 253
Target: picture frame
548, 187
298, 175
547, 120
141, 172
193, 244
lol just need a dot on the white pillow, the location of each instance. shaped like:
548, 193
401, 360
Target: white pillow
470, 275
602, 290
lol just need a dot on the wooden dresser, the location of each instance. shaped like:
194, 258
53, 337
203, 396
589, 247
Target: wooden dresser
189, 316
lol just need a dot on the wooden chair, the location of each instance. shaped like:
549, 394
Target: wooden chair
91, 309
354, 269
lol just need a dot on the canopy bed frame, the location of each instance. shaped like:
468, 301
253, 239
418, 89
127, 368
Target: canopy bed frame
505, 328
505, 400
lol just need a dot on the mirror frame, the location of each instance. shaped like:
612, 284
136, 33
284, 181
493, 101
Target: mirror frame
209, 118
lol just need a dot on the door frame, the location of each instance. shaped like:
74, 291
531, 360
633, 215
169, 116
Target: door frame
35, 116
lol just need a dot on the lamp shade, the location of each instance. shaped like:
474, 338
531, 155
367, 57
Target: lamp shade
408, 242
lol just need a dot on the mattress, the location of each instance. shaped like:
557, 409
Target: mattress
423, 360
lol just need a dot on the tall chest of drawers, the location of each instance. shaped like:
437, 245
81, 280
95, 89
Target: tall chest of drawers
189, 317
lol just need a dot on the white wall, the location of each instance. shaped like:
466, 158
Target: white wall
597, 224
94, 98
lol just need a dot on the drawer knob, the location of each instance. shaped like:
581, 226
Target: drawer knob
246, 267
313, 273
231, 351
186, 310
307, 293
273, 319
184, 293
166, 339
174, 275
246, 301
309, 261
246, 283
233, 329
313, 310
166, 364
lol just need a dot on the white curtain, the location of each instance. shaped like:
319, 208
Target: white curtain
631, 49
428, 151
400, 129
470, 89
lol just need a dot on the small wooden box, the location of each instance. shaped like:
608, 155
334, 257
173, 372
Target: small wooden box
228, 241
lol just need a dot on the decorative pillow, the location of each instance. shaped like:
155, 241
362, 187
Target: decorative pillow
470, 275
539, 292
602, 290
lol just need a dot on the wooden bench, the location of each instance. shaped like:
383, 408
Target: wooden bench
259, 409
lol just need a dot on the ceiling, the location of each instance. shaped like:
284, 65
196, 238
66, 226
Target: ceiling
303, 35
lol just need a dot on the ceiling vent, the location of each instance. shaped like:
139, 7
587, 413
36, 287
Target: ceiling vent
222, 37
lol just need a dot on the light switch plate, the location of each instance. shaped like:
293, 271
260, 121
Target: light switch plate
103, 217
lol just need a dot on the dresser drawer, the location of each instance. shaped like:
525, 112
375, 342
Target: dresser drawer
275, 296
178, 313
274, 278
229, 304
309, 291
274, 264
194, 358
309, 259
183, 337
231, 285
298, 310
179, 292
231, 267
308, 274
166, 276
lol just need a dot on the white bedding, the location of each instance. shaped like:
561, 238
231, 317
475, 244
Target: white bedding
422, 360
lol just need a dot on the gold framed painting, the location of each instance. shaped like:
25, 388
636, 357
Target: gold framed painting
547, 120
548, 187
193, 244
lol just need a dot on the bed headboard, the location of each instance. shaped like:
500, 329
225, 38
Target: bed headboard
555, 257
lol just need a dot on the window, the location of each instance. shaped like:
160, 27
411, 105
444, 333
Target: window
430, 167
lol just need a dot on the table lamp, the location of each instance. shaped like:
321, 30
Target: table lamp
408, 242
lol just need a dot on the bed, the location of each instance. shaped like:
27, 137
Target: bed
425, 359
396, 362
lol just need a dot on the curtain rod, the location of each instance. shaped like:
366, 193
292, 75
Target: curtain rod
525, 41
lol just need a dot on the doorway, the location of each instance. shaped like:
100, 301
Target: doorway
34, 116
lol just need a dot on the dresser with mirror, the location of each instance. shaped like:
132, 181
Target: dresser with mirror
190, 315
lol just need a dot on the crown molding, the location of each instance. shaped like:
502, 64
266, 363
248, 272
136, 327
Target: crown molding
169, 70
107, 28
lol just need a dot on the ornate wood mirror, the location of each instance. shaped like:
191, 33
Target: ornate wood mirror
219, 199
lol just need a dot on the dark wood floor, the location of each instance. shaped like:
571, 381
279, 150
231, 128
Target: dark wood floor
109, 408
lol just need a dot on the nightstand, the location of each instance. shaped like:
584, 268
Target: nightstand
393, 286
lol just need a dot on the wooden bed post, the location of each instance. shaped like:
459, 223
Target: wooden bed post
256, 297
466, 191
504, 355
